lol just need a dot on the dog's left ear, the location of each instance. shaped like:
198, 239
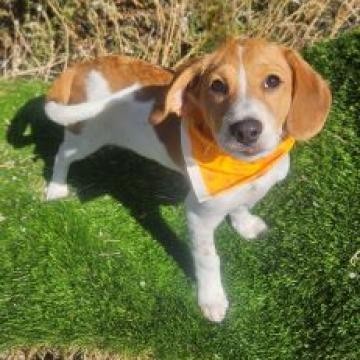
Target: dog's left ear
311, 99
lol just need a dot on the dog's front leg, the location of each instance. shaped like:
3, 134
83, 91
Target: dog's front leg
202, 221
246, 224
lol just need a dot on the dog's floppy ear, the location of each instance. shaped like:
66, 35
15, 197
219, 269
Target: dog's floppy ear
173, 100
311, 99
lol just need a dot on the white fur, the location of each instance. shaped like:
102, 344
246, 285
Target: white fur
120, 119
71, 114
247, 225
203, 218
96, 86
242, 77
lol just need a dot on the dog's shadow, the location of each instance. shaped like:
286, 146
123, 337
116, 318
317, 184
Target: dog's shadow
140, 185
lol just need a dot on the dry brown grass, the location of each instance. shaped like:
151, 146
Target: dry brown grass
44, 353
41, 37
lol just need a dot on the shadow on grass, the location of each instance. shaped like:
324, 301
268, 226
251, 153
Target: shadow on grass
139, 184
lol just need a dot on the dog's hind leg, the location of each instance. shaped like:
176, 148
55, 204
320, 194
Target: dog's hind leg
74, 147
57, 187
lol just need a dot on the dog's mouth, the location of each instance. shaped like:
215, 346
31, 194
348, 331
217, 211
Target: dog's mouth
244, 152
261, 147
243, 149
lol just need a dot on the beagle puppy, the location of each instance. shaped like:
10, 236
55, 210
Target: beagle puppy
226, 120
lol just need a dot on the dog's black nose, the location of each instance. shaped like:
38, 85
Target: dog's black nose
246, 131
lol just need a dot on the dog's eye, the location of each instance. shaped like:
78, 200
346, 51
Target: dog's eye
272, 81
219, 87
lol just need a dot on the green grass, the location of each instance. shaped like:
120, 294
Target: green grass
109, 268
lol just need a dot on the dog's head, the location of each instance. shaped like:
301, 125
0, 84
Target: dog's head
249, 93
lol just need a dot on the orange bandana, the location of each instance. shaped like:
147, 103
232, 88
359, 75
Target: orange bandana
212, 170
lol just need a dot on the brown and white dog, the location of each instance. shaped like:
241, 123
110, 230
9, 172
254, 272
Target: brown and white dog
247, 94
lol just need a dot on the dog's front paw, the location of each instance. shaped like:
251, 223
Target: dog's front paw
249, 227
56, 191
213, 305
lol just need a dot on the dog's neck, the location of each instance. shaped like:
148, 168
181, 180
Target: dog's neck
212, 170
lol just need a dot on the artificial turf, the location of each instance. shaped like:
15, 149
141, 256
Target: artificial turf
109, 268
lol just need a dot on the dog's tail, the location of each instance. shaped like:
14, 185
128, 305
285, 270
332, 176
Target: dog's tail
70, 114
